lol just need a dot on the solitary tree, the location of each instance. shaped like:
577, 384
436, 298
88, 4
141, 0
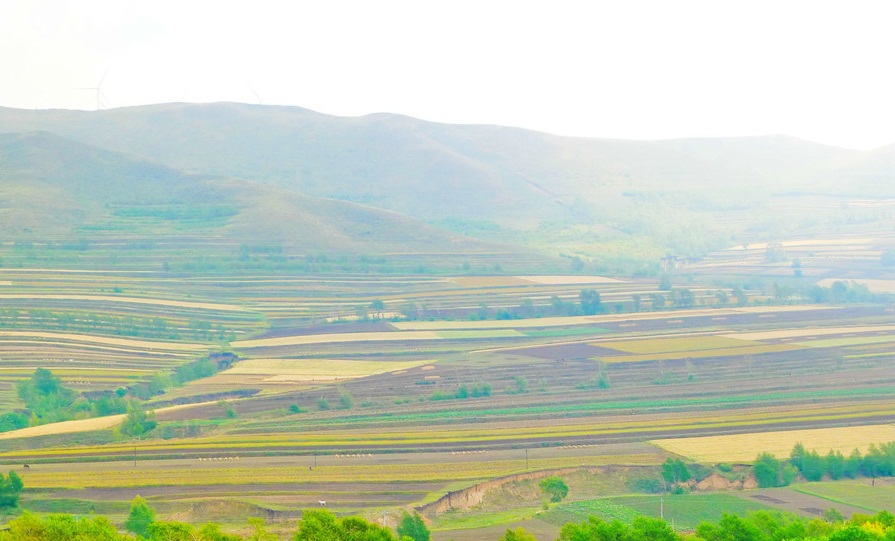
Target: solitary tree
377, 306
412, 526
140, 517
590, 302
554, 488
137, 421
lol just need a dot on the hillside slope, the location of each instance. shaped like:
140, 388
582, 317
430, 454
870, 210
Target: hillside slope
435, 171
52, 187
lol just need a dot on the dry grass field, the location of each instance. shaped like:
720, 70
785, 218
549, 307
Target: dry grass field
146, 345
80, 425
128, 300
745, 447
302, 340
315, 370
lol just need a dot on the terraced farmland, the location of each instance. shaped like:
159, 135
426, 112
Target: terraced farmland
375, 414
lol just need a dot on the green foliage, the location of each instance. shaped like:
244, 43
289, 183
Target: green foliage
295, 408
767, 470
45, 398
646, 485
30, 527
170, 531
833, 515
835, 464
813, 466
554, 488
843, 292
346, 401
675, 471
852, 464
519, 534
141, 517
137, 422
202, 368
412, 526
796, 456
682, 297
879, 461
11, 487
641, 529
13, 421
227, 408
463, 391
322, 525
589, 300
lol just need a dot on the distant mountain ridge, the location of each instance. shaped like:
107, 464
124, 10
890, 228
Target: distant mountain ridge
389, 183
54, 187
436, 171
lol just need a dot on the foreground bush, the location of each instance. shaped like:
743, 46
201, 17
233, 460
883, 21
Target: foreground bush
322, 525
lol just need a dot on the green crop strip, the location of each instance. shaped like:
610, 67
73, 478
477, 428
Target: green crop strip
583, 409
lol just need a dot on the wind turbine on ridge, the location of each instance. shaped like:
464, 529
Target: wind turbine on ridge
100, 102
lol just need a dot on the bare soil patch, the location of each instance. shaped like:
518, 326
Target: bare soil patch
797, 502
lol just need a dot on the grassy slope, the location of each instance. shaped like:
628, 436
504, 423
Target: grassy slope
58, 188
432, 170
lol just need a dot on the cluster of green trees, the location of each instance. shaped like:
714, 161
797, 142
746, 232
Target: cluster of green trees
879, 461
844, 292
674, 472
47, 401
10, 487
137, 421
160, 381
463, 391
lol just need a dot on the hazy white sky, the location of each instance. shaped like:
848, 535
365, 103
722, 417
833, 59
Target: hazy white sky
625, 68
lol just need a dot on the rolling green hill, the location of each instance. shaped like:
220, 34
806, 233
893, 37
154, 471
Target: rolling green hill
595, 197
55, 190
431, 170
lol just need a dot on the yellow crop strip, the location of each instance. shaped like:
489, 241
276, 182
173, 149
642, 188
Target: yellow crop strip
745, 447
492, 432
152, 475
301, 340
105, 340
319, 367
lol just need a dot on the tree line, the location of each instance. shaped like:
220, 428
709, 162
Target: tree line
126, 325
46, 400
322, 525
879, 461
